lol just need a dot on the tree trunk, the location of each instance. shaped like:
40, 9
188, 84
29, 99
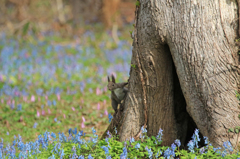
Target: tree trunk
183, 70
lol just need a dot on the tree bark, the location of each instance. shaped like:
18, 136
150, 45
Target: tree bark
183, 74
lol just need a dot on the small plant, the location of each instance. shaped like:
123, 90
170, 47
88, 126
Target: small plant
137, 3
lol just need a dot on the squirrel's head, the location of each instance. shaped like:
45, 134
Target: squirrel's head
111, 84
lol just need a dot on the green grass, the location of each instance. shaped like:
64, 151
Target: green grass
87, 55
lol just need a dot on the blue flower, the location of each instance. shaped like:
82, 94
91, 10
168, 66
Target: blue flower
173, 146
93, 130
195, 137
61, 154
158, 153
105, 149
115, 129
205, 140
69, 131
49, 103
150, 153
177, 142
124, 154
54, 102
202, 150
109, 117
217, 150
19, 107
191, 146
228, 146
167, 153
137, 146
159, 135
109, 134
74, 131
90, 157
53, 135
81, 157
132, 140
224, 153
35, 125
144, 130
74, 155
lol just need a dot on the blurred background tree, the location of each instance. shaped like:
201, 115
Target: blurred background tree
68, 17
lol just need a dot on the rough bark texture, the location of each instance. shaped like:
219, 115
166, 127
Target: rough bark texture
197, 38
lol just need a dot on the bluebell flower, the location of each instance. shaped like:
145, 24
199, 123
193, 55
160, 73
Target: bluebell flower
55, 119
35, 125
105, 150
158, 154
132, 140
205, 140
54, 102
12, 106
115, 129
217, 150
137, 146
144, 130
109, 117
191, 146
202, 150
90, 157
75, 131
62, 154
53, 135
159, 135
62, 137
124, 153
19, 107
109, 134
177, 142
195, 137
228, 146
49, 103
81, 157
167, 153
109, 157
150, 153
142, 136
224, 153
173, 146
74, 155
69, 131
93, 130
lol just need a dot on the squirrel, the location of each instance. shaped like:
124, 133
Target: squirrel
118, 92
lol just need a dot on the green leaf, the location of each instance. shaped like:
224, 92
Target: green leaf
231, 130
237, 127
25, 28
153, 137
138, 3
236, 130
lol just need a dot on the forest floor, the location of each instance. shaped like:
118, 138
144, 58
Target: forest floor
50, 83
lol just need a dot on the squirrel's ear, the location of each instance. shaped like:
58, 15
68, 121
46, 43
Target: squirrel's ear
108, 79
113, 79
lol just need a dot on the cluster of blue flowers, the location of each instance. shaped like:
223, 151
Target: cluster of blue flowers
20, 150
23, 63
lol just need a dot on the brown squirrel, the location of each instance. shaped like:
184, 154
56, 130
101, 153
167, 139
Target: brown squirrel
118, 92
